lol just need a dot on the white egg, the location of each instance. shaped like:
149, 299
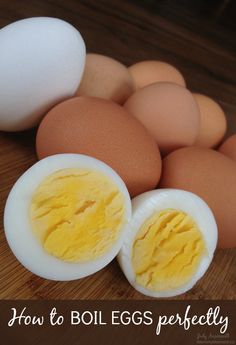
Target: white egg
76, 199
41, 63
170, 243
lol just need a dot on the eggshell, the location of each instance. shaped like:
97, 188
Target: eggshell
212, 122
104, 130
228, 147
106, 78
210, 175
147, 72
169, 112
41, 63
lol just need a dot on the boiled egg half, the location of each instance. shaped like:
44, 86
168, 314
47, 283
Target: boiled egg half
170, 243
66, 217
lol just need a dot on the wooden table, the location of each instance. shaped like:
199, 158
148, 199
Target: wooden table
196, 37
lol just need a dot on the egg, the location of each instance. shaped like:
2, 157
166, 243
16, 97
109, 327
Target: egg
213, 123
228, 147
169, 112
66, 217
41, 63
211, 176
170, 242
104, 130
148, 72
106, 78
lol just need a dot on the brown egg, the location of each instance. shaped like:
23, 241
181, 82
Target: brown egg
210, 175
228, 147
169, 112
147, 72
104, 130
212, 122
106, 78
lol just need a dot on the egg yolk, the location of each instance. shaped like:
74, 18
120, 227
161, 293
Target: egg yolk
77, 214
167, 250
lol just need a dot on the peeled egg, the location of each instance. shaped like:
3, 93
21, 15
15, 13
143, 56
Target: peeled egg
66, 217
104, 130
106, 78
148, 72
41, 63
212, 122
169, 112
170, 242
228, 147
210, 175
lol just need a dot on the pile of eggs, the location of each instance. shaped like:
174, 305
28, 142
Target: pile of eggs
106, 134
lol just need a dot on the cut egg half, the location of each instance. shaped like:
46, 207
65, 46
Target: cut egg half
170, 242
66, 217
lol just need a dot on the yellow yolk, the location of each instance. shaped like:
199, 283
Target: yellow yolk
167, 250
77, 214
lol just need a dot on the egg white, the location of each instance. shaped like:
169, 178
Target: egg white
144, 206
20, 237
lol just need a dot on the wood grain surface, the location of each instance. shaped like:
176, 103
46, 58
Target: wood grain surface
198, 37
